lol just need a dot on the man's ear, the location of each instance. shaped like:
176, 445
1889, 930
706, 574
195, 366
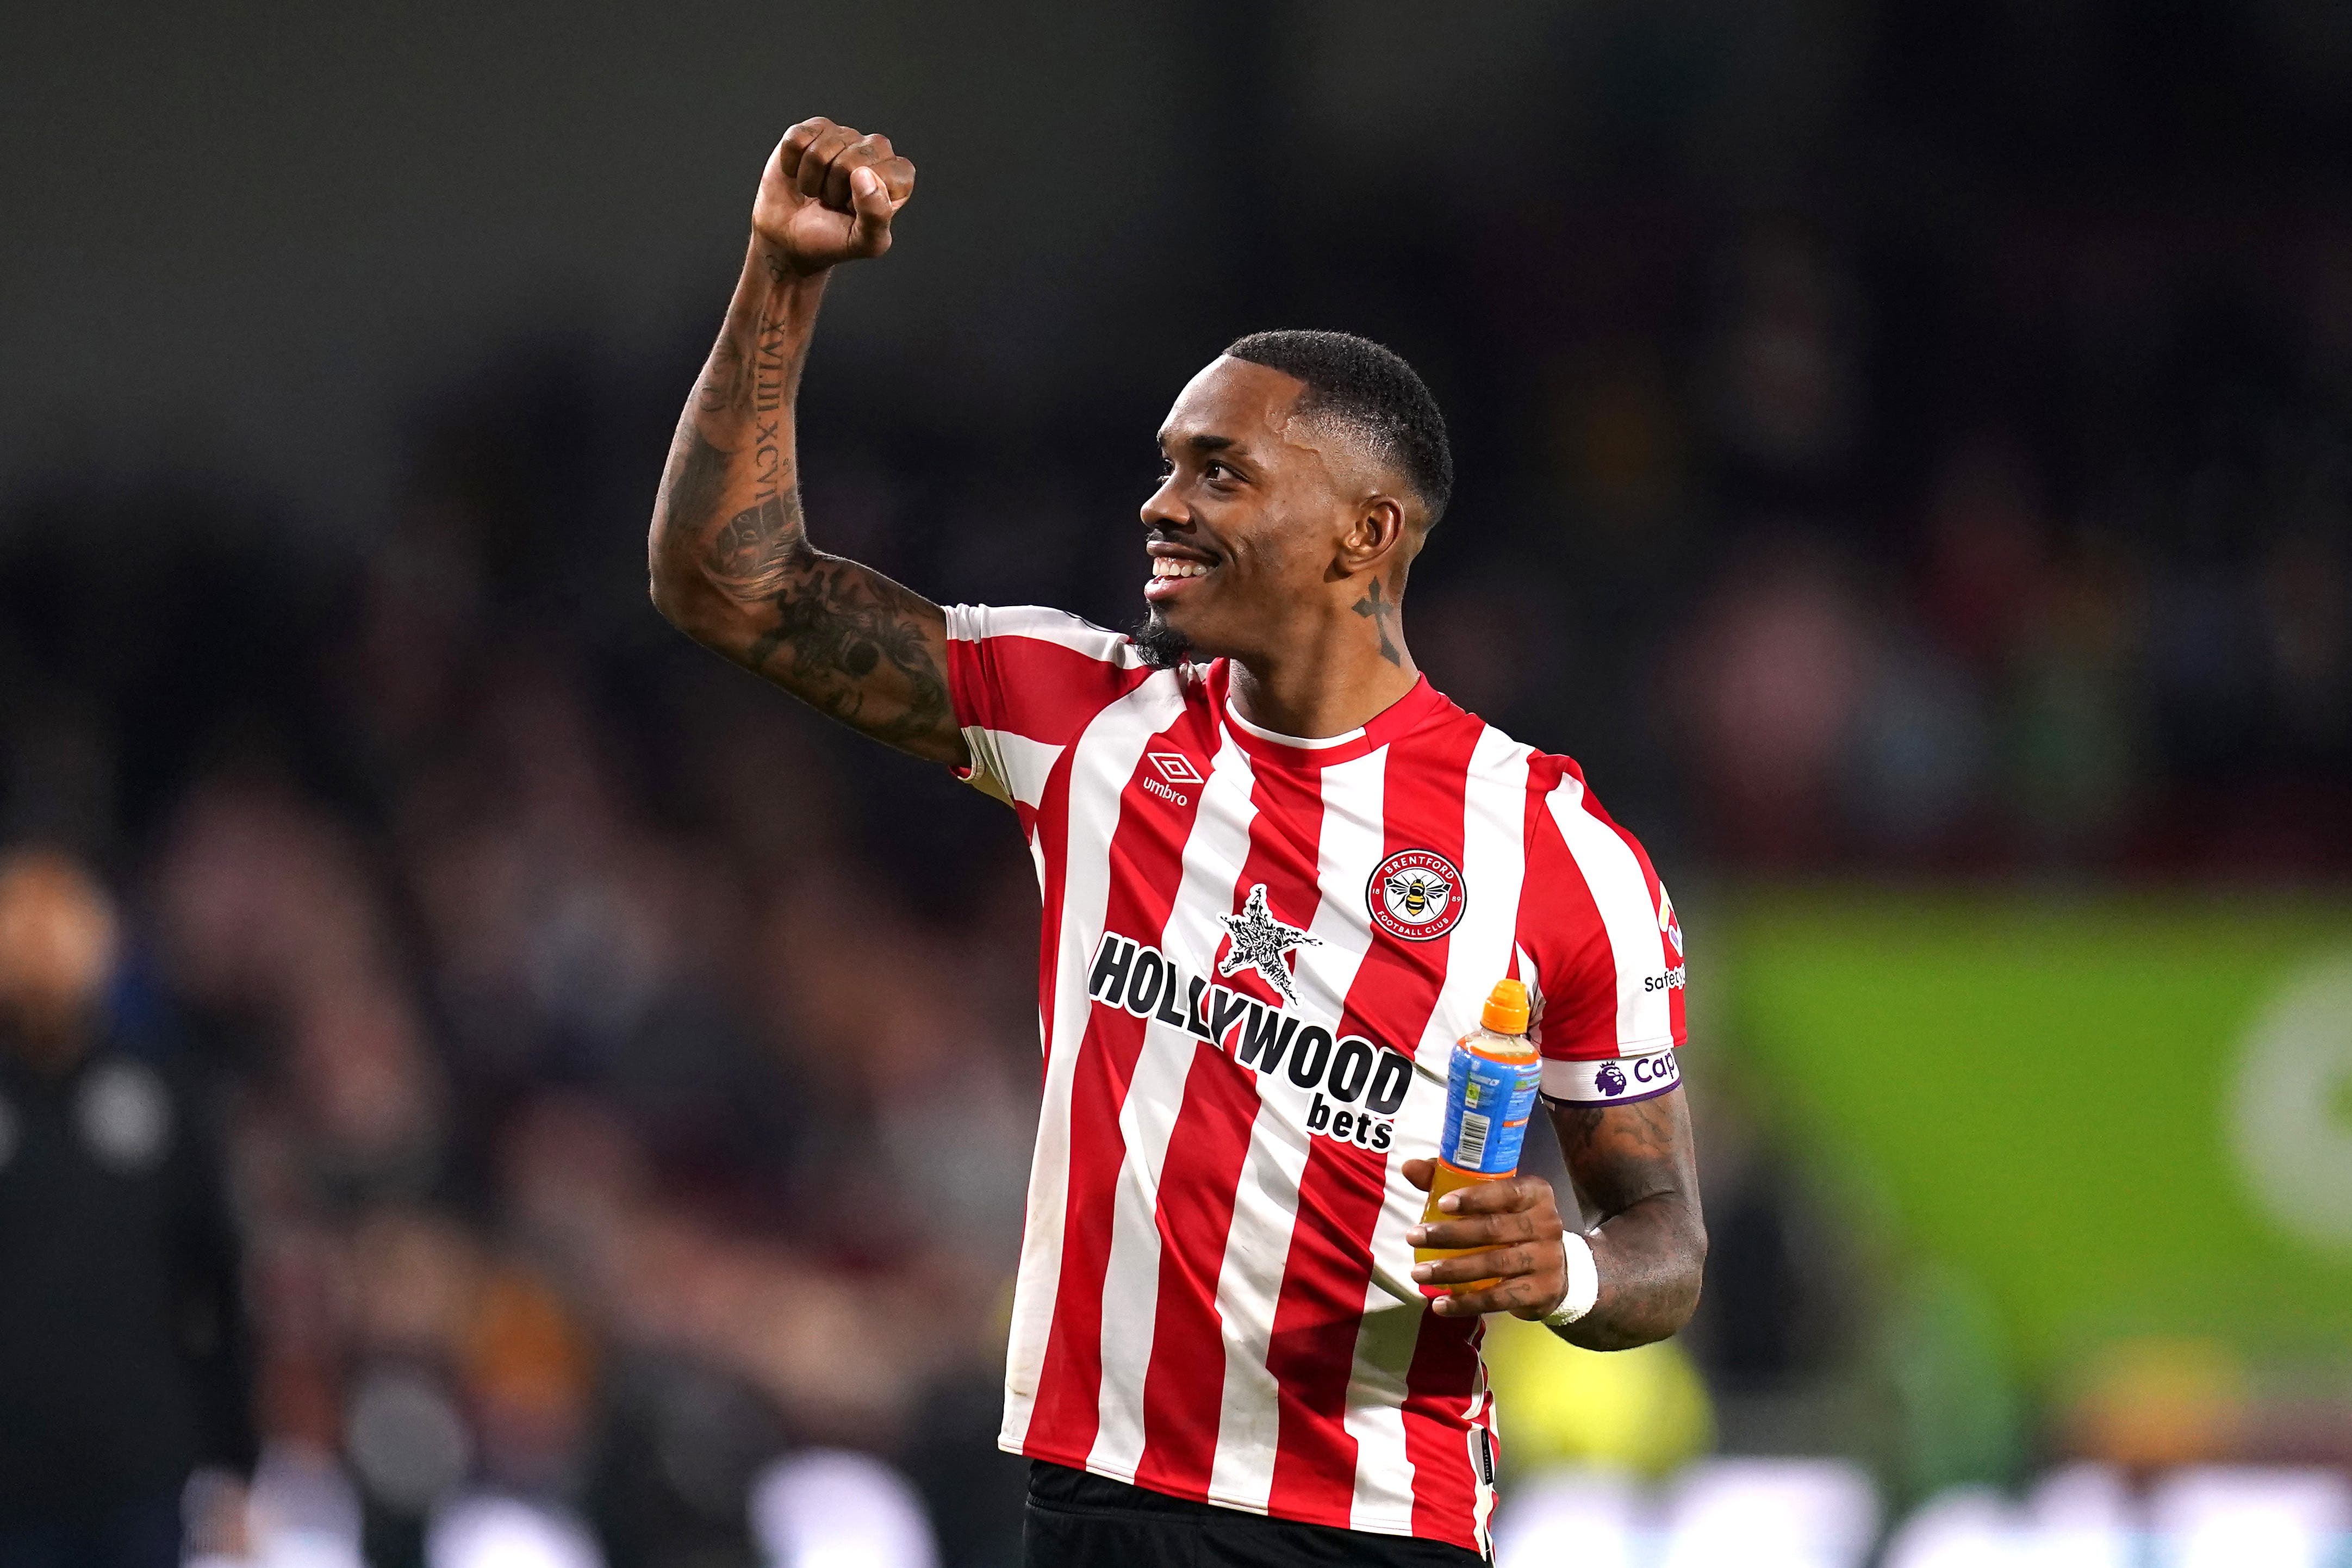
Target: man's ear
1378, 534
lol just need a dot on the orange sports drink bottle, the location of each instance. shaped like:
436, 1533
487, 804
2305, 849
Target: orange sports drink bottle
1490, 1092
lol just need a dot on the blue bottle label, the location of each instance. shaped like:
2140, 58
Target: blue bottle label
1487, 1104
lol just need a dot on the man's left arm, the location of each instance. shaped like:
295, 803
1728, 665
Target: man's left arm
1635, 1164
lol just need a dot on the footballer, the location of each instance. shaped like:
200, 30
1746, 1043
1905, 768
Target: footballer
1280, 873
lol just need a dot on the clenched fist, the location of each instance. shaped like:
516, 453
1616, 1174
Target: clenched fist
828, 194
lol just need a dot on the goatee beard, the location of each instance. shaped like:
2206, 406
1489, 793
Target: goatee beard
1161, 644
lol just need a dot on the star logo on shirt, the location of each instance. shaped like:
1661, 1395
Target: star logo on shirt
1259, 943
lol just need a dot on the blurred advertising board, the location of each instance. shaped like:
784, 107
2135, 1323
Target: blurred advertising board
2125, 1117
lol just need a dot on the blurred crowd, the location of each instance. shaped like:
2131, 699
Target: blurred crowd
2115, 639
2053, 577
580, 1155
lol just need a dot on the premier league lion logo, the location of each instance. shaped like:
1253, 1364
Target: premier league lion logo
1609, 1079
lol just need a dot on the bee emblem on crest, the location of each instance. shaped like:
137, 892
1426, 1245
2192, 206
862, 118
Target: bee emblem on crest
1417, 895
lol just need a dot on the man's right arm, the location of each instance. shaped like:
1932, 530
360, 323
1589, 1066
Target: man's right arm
730, 561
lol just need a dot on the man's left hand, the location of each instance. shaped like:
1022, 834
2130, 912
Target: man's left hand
1515, 1224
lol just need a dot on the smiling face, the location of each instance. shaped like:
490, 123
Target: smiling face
1262, 516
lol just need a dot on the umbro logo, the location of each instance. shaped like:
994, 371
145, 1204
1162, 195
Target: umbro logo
1175, 767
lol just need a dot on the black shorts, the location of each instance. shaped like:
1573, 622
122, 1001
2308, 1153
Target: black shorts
1082, 1521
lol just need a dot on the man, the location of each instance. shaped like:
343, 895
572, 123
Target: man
122, 1346
1280, 874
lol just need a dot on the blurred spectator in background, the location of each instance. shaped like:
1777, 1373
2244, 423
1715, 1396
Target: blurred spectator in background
123, 1362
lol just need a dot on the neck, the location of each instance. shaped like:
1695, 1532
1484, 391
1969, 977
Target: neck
1342, 672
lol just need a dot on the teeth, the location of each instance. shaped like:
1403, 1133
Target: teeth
1167, 567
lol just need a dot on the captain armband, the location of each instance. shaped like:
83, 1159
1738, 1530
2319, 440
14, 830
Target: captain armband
1619, 1081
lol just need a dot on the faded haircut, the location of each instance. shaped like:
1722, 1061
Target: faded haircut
1370, 392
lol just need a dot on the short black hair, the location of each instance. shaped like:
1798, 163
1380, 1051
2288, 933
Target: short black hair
1370, 389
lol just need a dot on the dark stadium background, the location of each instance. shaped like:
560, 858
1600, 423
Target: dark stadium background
1905, 455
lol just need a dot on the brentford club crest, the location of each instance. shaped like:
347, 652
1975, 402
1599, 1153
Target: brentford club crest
1416, 895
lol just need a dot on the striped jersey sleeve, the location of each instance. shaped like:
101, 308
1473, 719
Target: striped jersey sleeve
1025, 681
1599, 942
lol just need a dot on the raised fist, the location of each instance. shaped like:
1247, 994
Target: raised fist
828, 194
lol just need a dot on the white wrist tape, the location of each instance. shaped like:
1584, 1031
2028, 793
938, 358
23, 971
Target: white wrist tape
1583, 1283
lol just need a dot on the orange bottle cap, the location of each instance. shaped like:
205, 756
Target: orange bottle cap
1507, 1007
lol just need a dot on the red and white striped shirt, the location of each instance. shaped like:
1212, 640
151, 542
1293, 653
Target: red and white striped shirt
1258, 955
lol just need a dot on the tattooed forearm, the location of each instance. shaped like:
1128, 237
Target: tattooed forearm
726, 380
695, 486
730, 558
753, 555
1635, 1164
